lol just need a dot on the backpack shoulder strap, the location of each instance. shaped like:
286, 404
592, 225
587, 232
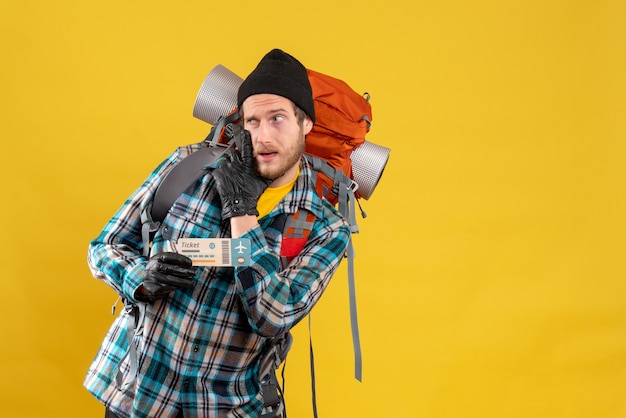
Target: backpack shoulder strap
221, 137
183, 175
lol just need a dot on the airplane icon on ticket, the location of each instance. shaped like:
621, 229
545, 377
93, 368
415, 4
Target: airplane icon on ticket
240, 248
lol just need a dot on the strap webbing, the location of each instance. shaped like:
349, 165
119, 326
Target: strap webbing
148, 227
135, 314
312, 361
222, 122
347, 208
354, 321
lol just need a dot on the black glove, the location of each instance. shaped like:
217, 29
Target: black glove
166, 272
237, 181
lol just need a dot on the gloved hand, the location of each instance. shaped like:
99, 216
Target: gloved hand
237, 181
166, 272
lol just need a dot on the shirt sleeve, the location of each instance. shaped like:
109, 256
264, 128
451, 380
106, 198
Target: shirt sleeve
274, 299
115, 255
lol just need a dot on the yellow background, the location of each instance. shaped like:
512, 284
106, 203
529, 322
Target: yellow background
491, 267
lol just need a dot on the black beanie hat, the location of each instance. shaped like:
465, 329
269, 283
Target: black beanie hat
281, 74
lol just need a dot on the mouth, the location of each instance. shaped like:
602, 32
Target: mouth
266, 156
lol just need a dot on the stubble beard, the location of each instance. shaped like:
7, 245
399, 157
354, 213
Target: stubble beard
291, 157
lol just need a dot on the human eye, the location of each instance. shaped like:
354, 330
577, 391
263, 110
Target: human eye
251, 122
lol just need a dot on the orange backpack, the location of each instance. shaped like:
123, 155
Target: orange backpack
343, 118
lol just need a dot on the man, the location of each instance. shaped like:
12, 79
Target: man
202, 330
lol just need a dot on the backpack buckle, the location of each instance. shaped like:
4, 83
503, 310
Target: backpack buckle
353, 186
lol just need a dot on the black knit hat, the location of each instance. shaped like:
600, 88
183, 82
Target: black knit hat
281, 74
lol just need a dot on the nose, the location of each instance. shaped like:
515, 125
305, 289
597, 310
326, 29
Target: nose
262, 133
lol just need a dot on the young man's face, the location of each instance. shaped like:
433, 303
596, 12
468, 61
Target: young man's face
277, 137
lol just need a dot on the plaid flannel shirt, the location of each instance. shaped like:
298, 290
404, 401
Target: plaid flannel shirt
199, 349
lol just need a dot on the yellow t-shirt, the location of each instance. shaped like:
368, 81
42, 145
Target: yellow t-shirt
272, 195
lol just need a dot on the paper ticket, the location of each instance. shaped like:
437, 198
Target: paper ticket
215, 252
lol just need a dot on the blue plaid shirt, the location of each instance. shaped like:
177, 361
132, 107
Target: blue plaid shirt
199, 348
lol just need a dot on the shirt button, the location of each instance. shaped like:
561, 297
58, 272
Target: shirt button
196, 348
186, 384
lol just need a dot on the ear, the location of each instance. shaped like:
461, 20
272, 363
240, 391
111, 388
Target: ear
307, 125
